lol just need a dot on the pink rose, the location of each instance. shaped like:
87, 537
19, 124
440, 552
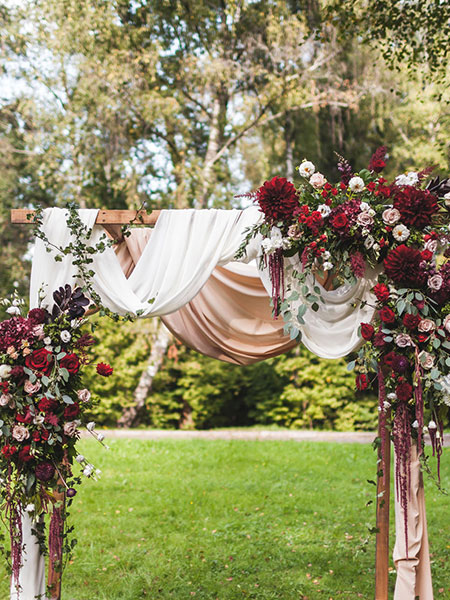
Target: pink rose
364, 219
435, 282
4, 399
20, 433
403, 340
391, 216
431, 245
426, 360
38, 332
446, 324
70, 428
426, 325
317, 180
84, 395
31, 388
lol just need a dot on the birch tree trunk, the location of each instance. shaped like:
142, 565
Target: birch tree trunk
132, 414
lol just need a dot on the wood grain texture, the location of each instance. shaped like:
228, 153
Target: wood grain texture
23, 216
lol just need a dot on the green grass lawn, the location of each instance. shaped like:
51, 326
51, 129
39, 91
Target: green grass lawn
227, 520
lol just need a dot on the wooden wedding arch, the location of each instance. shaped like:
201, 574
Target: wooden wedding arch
125, 217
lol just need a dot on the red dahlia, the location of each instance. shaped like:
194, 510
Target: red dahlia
416, 206
104, 369
402, 266
277, 199
381, 291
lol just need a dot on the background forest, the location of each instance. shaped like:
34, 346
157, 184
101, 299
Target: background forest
171, 103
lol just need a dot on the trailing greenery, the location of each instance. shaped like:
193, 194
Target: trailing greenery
230, 520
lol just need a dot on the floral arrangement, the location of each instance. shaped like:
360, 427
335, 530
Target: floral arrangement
42, 405
339, 232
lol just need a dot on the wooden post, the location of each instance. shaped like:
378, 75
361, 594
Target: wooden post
382, 538
24, 216
55, 557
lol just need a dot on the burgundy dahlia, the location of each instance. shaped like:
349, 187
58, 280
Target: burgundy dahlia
402, 265
45, 471
400, 363
358, 264
416, 206
37, 315
277, 199
104, 369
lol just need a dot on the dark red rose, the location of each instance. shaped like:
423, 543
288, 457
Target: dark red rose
315, 220
45, 471
381, 291
423, 337
340, 221
415, 206
40, 360
36, 436
367, 331
24, 454
9, 451
37, 315
71, 362
277, 199
47, 405
402, 265
411, 321
378, 340
4, 387
104, 369
44, 435
404, 391
387, 315
389, 359
71, 411
361, 381
26, 418
426, 255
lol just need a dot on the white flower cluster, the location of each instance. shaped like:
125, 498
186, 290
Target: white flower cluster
269, 245
306, 169
410, 178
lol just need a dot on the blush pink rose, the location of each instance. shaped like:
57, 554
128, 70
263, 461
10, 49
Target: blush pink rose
391, 216
426, 325
31, 388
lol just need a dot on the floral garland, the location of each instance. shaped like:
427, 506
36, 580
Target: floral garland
42, 405
337, 232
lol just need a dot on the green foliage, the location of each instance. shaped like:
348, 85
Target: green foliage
125, 346
298, 390
202, 519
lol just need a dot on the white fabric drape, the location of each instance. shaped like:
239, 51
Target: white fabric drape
177, 261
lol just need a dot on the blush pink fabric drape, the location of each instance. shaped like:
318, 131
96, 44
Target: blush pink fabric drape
230, 319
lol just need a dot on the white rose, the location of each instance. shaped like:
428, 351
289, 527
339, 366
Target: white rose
435, 282
426, 360
13, 310
369, 242
364, 219
38, 419
386, 405
364, 206
317, 180
327, 266
324, 210
400, 233
65, 336
47, 341
356, 184
5, 371
391, 216
306, 169
20, 433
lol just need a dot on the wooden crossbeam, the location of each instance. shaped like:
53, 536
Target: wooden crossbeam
23, 216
